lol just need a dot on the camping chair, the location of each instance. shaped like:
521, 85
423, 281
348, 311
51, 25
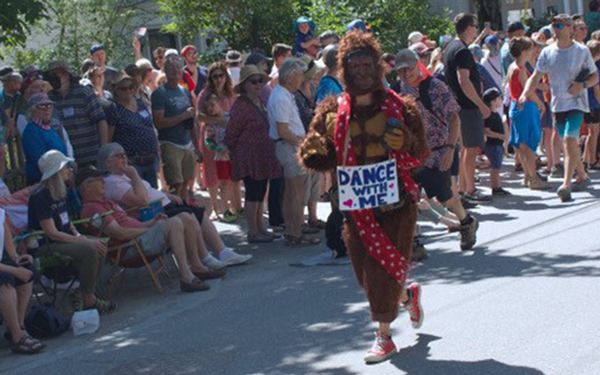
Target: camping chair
117, 250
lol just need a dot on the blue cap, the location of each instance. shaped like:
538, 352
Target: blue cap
96, 47
356, 25
492, 40
476, 50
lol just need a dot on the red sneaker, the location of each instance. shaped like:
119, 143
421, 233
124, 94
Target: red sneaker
383, 348
414, 305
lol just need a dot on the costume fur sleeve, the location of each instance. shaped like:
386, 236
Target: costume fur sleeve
317, 151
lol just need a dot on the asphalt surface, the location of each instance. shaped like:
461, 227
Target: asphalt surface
524, 302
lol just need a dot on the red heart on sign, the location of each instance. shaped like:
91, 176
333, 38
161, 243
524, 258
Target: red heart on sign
348, 203
391, 186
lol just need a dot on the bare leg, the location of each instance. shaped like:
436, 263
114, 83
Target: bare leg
9, 311
23, 296
556, 147
213, 191
236, 195
548, 148
260, 222
495, 178
591, 144
293, 210
462, 178
572, 162
194, 243
226, 194
469, 167
455, 206
211, 236
174, 233
252, 209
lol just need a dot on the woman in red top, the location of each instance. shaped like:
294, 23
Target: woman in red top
525, 132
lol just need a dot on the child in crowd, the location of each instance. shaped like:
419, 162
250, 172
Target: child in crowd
495, 138
215, 135
304, 29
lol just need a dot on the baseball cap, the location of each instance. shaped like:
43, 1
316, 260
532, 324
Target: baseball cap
88, 172
490, 95
420, 48
406, 58
476, 50
415, 37
58, 65
96, 47
356, 25
492, 40
39, 99
515, 26
256, 58
187, 49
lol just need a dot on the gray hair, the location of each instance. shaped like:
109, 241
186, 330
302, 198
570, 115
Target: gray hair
106, 152
289, 67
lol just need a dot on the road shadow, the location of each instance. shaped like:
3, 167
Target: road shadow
415, 360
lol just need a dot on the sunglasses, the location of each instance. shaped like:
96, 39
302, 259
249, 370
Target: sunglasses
558, 26
255, 81
44, 106
218, 76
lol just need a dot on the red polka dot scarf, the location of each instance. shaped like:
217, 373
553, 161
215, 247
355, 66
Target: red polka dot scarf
374, 239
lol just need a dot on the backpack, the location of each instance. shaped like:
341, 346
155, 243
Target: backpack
44, 321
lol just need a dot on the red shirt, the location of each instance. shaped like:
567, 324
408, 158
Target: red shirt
515, 86
90, 208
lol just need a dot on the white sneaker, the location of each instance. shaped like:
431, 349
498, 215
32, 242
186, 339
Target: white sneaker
212, 262
233, 258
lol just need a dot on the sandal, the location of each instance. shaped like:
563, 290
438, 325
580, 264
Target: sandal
103, 306
300, 241
27, 345
259, 238
318, 224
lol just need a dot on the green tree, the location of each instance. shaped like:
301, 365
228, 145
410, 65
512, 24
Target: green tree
16, 19
258, 24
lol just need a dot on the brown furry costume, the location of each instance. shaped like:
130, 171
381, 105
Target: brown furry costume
318, 153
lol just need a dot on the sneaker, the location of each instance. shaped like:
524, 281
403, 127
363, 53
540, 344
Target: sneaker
537, 184
467, 205
499, 192
476, 196
214, 263
414, 305
383, 348
564, 193
468, 235
229, 217
259, 238
234, 259
542, 177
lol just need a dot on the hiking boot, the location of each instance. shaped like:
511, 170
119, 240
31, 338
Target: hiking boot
414, 305
499, 192
468, 235
419, 253
564, 193
383, 348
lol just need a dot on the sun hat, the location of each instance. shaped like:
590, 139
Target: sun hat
246, 72
120, 78
233, 57
52, 162
406, 58
304, 19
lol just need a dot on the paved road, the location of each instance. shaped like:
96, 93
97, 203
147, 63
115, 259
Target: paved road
524, 303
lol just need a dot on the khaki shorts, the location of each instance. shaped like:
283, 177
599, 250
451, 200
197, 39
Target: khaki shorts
152, 243
312, 187
287, 155
179, 165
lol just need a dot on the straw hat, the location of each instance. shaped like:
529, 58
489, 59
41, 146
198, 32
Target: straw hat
313, 67
246, 72
52, 162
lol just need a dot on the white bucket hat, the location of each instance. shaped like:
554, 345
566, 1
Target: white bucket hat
52, 162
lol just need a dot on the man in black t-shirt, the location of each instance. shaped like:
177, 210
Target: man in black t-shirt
465, 84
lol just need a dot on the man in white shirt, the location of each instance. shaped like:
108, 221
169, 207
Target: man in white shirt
285, 127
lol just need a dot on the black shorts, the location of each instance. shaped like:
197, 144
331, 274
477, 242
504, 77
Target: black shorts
255, 189
172, 210
435, 182
8, 279
593, 117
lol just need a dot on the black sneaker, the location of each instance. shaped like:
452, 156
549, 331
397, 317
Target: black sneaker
468, 235
476, 196
499, 192
467, 205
